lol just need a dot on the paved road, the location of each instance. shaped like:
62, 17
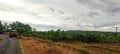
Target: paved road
9, 45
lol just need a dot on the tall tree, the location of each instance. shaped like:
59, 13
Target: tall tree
20, 27
1, 27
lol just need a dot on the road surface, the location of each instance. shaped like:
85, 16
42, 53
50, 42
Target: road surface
9, 45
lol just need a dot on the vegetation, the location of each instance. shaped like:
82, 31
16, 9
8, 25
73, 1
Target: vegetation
64, 42
20, 27
36, 46
42, 46
1, 28
84, 36
61, 35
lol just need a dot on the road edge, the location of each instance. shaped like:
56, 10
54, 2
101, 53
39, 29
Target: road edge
21, 47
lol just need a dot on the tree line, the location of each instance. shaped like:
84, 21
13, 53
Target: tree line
61, 35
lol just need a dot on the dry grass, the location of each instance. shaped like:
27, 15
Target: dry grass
40, 46
93, 48
34, 46
111, 48
97, 48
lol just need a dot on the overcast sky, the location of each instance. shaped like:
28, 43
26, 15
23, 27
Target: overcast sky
63, 14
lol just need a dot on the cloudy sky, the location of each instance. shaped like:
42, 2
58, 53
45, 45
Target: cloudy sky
98, 15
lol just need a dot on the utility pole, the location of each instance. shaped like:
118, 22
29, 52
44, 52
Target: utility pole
116, 31
116, 28
5, 25
34, 33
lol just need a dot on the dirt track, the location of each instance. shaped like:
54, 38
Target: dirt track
9, 45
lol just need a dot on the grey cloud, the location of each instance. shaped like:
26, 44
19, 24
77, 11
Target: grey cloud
55, 10
18, 9
52, 9
12, 8
61, 12
91, 14
107, 6
38, 1
48, 27
4, 7
107, 24
97, 13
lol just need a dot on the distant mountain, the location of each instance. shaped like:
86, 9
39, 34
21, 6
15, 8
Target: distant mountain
82, 31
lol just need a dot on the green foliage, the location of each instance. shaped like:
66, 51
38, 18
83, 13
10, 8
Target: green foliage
61, 35
85, 36
20, 27
1, 28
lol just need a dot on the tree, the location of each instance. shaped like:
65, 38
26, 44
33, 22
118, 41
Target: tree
20, 27
1, 27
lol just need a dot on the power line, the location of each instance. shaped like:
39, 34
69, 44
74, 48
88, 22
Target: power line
116, 29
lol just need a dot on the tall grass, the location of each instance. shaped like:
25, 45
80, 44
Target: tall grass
33, 46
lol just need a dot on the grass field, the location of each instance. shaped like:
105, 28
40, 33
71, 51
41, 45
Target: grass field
39, 46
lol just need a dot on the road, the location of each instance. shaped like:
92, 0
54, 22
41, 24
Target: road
9, 45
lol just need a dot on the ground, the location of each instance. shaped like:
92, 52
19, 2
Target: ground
40, 46
31, 45
36, 46
9, 45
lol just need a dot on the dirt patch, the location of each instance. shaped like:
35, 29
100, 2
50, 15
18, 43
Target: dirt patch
35, 46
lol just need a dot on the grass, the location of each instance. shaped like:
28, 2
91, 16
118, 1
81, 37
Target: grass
21, 47
40, 46
76, 49
34, 46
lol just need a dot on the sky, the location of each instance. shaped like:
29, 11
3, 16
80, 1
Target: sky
97, 15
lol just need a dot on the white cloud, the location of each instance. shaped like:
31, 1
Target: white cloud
64, 14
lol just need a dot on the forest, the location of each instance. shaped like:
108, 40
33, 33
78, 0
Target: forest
61, 35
